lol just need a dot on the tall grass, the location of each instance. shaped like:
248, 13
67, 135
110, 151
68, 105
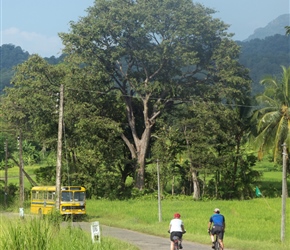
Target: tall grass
46, 234
250, 225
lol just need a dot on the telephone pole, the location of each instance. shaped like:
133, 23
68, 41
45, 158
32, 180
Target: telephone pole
21, 178
284, 192
59, 149
159, 192
6, 172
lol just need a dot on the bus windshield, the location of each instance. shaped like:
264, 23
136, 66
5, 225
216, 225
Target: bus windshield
72, 196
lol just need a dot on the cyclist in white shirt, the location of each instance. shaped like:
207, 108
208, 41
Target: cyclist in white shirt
176, 228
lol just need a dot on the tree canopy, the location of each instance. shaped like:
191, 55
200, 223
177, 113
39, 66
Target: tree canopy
156, 53
142, 81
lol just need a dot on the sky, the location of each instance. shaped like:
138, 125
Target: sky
34, 24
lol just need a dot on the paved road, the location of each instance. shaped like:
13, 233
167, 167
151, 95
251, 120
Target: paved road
142, 241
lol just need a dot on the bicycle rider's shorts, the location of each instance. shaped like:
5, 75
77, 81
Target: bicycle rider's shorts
218, 230
178, 234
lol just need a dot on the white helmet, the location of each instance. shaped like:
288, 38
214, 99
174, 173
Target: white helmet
216, 210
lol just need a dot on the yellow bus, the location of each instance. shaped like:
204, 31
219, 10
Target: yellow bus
73, 200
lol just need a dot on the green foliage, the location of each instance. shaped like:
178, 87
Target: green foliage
45, 175
154, 53
143, 81
40, 234
11, 56
246, 176
272, 117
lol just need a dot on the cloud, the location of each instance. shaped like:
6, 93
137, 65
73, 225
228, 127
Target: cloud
32, 42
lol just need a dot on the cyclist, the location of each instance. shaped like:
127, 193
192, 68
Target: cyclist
218, 228
176, 228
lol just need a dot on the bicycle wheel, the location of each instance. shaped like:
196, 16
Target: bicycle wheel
217, 245
176, 246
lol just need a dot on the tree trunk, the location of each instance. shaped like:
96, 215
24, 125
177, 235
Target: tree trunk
216, 183
196, 187
141, 157
139, 148
172, 185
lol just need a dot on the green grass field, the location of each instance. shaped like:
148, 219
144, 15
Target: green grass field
13, 175
250, 225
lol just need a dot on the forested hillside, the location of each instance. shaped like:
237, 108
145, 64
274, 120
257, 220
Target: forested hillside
265, 57
261, 56
12, 55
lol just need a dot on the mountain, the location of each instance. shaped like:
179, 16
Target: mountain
277, 26
11, 56
264, 57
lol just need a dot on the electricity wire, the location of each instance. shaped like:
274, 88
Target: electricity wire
174, 99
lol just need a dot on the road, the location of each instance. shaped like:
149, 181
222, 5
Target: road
142, 241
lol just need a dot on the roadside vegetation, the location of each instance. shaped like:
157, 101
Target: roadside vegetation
47, 234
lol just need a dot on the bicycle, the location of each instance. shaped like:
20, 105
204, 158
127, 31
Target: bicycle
217, 243
177, 241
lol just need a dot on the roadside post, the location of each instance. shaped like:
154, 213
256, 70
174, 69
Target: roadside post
95, 232
21, 212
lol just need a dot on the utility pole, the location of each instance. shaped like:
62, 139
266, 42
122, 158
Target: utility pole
6, 172
21, 178
159, 193
59, 149
284, 192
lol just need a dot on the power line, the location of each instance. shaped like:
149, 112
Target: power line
174, 99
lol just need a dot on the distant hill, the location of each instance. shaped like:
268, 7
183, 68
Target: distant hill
11, 56
277, 26
264, 57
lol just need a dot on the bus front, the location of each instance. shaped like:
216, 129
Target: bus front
73, 201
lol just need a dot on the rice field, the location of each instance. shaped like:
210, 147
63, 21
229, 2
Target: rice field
250, 225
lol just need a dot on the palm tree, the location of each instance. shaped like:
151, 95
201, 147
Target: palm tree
287, 30
274, 125
273, 117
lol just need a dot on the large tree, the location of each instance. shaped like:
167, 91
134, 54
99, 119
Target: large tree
154, 52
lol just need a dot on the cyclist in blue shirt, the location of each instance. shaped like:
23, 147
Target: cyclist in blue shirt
218, 228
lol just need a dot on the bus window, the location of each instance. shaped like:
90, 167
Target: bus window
79, 196
66, 196
50, 195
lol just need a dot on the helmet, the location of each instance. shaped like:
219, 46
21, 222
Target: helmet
216, 210
176, 215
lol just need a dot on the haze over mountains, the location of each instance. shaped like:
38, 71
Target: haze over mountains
277, 26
